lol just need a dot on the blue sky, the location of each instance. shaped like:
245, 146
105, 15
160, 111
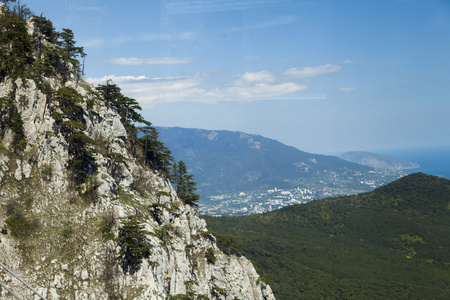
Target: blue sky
321, 75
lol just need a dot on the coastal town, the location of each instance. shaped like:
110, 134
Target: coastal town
254, 202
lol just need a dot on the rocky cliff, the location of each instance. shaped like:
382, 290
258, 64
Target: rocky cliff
72, 184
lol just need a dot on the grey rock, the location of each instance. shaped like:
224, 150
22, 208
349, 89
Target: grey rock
69, 229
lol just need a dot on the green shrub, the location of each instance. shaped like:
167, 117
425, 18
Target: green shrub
90, 193
210, 256
217, 291
229, 244
163, 233
133, 244
107, 224
19, 225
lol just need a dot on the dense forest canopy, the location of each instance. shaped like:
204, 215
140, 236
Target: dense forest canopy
391, 243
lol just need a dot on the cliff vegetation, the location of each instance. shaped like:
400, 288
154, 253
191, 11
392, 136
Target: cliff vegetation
92, 204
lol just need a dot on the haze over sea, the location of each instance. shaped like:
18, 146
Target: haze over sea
432, 160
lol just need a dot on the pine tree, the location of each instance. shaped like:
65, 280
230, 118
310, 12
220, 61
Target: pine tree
15, 46
133, 244
184, 184
156, 154
126, 107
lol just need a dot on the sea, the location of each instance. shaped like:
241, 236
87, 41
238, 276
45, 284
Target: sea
432, 160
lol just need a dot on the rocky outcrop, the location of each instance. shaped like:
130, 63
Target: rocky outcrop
61, 237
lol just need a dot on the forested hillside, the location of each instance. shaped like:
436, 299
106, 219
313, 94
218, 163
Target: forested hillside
391, 243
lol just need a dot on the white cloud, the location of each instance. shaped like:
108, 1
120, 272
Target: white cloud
250, 87
257, 85
115, 79
249, 77
151, 61
348, 89
313, 71
150, 90
262, 91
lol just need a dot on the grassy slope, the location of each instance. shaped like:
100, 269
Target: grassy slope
390, 243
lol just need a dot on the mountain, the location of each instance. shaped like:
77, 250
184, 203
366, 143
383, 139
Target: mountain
391, 243
379, 161
86, 211
227, 162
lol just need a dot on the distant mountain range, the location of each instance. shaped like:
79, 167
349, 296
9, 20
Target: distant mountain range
391, 243
379, 161
226, 162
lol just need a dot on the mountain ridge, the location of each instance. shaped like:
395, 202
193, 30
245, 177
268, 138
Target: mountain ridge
232, 162
191, 143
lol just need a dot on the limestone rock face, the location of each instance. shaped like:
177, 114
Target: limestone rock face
53, 231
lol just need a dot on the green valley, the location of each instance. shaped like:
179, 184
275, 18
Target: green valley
391, 243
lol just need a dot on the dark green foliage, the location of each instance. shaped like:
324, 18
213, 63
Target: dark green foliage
184, 184
164, 233
155, 210
46, 30
65, 40
69, 101
126, 107
229, 244
390, 243
217, 291
10, 118
15, 45
72, 122
107, 225
18, 223
48, 61
45, 54
133, 244
19, 9
64, 61
156, 154
210, 256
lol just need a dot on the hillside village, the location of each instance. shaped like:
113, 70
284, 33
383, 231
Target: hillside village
255, 202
